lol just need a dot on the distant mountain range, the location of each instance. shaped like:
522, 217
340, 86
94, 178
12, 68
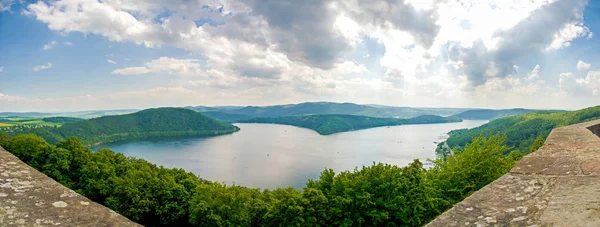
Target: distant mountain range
232, 113
241, 113
77, 114
238, 113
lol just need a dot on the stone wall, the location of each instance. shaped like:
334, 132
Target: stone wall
558, 185
30, 198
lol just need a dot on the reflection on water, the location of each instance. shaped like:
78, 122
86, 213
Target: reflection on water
270, 156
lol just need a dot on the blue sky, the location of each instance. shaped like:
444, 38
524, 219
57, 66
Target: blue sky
84, 54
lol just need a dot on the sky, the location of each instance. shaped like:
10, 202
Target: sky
68, 55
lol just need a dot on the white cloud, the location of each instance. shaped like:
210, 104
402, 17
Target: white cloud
535, 73
132, 71
184, 67
111, 61
590, 85
68, 43
5, 5
569, 32
42, 67
305, 51
582, 65
49, 45
1, 69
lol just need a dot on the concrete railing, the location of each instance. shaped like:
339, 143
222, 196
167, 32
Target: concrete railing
558, 185
30, 198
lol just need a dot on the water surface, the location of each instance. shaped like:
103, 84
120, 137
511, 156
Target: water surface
270, 156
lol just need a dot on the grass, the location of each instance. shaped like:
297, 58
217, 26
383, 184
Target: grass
5, 124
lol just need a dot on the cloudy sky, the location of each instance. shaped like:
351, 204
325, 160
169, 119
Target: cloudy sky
65, 55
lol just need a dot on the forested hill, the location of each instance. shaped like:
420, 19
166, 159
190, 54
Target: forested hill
62, 120
333, 123
487, 114
522, 130
150, 123
233, 113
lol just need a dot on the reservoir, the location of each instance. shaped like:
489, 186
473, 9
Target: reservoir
269, 156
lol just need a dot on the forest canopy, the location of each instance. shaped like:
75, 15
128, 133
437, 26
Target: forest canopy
523, 130
376, 195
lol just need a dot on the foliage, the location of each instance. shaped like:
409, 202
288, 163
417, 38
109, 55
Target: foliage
487, 114
376, 195
537, 143
522, 131
150, 123
471, 168
330, 124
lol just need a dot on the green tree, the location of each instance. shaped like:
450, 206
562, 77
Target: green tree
471, 168
215, 204
539, 142
57, 165
30, 149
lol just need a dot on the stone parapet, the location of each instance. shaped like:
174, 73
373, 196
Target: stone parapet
30, 198
558, 185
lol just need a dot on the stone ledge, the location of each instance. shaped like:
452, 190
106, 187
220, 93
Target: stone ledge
30, 198
558, 185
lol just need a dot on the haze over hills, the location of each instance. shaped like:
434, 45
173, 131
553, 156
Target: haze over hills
236, 113
328, 108
149, 123
326, 124
77, 114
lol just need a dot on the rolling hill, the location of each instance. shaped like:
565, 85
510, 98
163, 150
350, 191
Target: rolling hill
233, 113
228, 117
522, 130
149, 123
333, 123
488, 114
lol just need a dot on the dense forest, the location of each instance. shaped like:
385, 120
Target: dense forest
487, 114
523, 130
62, 120
150, 123
376, 195
327, 124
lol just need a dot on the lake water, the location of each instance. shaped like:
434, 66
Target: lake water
270, 156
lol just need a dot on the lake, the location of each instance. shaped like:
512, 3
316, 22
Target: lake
270, 156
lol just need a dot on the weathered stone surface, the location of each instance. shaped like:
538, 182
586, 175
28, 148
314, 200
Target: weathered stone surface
30, 198
558, 185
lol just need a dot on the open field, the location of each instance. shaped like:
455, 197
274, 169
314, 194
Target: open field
23, 121
5, 124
